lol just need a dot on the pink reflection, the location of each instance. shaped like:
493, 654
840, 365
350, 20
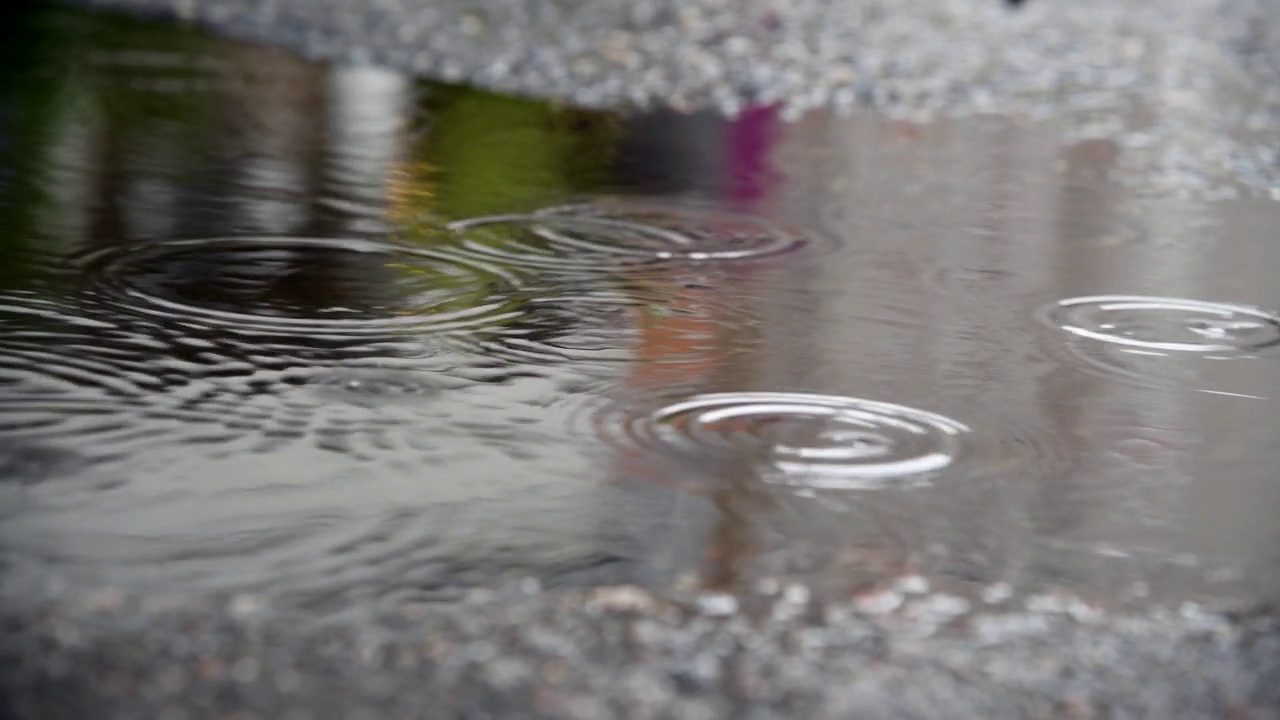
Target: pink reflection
752, 137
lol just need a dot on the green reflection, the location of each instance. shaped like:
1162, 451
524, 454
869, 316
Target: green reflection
484, 153
481, 154
31, 104
89, 85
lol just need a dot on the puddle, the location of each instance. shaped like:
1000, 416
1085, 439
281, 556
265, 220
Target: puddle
336, 336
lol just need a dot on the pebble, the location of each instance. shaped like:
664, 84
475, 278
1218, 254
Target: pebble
912, 585
546, 656
621, 599
996, 593
879, 602
717, 604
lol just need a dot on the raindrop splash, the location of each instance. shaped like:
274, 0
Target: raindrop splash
376, 387
1166, 325
807, 440
1158, 342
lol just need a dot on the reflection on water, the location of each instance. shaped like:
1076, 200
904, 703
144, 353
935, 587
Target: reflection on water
812, 441
333, 334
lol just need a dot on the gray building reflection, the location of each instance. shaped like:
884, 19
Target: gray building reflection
222, 140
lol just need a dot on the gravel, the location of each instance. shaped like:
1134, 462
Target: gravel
621, 652
1192, 86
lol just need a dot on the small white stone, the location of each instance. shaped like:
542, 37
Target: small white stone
1082, 612
996, 593
1049, 604
796, 594
244, 606
1201, 618
946, 605
912, 585
879, 603
717, 604
622, 599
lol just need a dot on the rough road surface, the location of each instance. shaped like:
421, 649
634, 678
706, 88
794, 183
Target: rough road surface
620, 652
1192, 86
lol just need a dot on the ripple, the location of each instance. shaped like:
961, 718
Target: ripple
1167, 325
618, 234
375, 387
64, 375
1165, 342
86, 374
244, 465
803, 439
384, 410
309, 287
650, 317
122, 391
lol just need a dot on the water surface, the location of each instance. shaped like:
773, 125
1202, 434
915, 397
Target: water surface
336, 335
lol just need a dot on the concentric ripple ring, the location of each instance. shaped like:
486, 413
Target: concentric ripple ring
1166, 325
812, 440
236, 283
607, 235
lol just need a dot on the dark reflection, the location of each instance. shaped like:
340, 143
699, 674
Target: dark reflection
26, 103
243, 346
